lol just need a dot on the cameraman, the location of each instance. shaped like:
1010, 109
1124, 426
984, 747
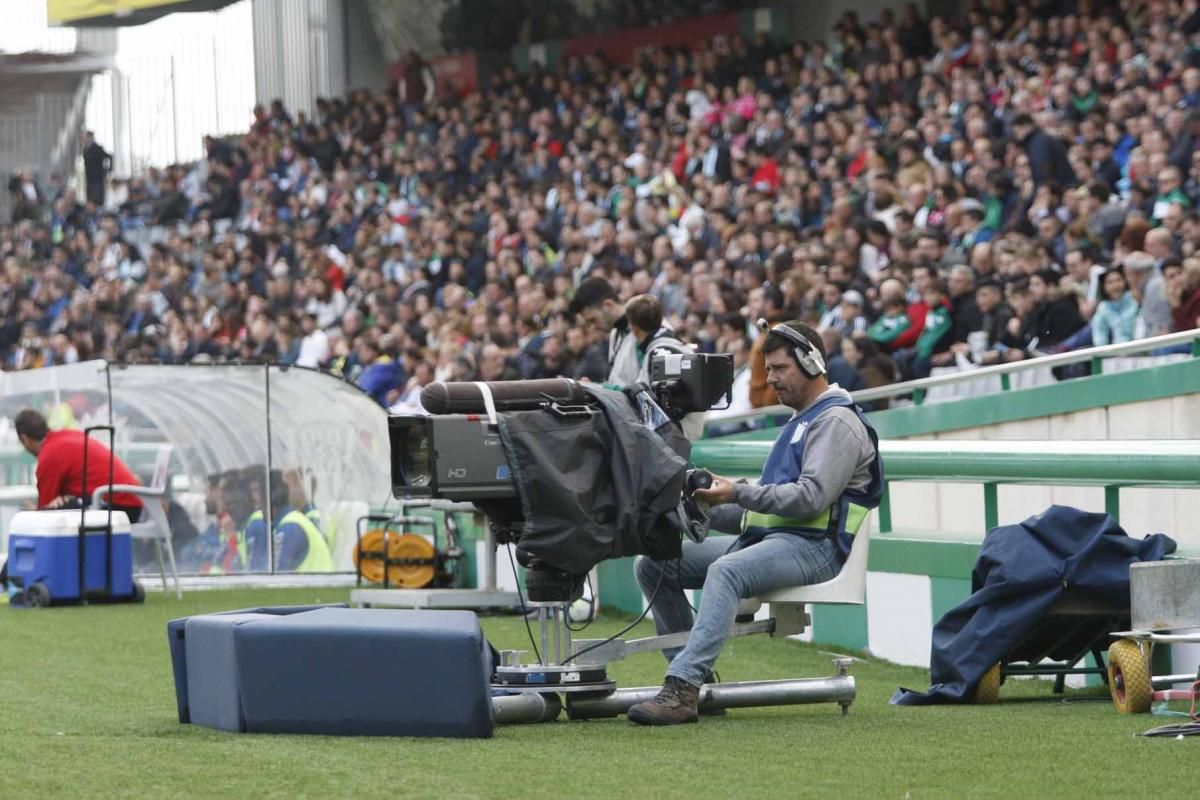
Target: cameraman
794, 528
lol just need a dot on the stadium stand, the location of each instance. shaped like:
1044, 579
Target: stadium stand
932, 193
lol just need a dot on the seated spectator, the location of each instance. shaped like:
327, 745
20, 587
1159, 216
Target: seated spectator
874, 368
1183, 291
839, 368
1054, 316
891, 325
1117, 312
961, 286
937, 335
991, 342
382, 377
847, 316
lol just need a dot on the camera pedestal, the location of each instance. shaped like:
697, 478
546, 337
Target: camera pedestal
556, 671
579, 672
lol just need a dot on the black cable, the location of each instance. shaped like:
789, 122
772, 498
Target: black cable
524, 610
591, 616
628, 627
1183, 729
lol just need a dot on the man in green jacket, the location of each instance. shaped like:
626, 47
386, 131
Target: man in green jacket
889, 327
938, 333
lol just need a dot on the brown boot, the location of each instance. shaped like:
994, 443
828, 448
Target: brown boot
676, 702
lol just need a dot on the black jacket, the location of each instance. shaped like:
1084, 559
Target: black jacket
1053, 321
1048, 160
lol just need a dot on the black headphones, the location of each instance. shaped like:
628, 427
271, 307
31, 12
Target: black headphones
807, 356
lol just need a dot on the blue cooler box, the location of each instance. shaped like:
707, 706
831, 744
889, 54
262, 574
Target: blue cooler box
43, 547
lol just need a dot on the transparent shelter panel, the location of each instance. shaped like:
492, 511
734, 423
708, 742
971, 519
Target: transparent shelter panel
331, 466
209, 424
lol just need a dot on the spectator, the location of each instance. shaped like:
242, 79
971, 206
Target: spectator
991, 342
847, 316
1117, 312
874, 368
1184, 293
417, 87
891, 325
839, 367
766, 302
97, 164
1053, 316
937, 334
1048, 159
381, 376
1156, 311
961, 286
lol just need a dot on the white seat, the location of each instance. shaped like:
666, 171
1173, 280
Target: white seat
154, 525
848, 587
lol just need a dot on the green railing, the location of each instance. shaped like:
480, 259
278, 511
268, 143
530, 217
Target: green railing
1108, 464
918, 389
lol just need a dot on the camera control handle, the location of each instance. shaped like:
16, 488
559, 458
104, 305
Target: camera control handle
699, 479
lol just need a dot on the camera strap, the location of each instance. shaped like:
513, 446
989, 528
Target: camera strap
489, 403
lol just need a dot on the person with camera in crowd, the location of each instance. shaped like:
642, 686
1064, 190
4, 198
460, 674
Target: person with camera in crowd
635, 331
793, 528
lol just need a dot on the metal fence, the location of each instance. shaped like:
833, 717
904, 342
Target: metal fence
39, 136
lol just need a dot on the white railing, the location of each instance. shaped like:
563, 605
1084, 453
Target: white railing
919, 388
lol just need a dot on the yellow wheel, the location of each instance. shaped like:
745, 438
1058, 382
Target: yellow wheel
399, 545
1129, 677
987, 691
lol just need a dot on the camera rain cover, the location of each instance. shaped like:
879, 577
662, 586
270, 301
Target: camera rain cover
596, 486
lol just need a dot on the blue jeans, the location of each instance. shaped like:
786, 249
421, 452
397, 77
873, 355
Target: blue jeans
1076, 341
1186, 347
727, 574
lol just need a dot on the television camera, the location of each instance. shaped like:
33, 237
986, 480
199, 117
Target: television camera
546, 462
456, 453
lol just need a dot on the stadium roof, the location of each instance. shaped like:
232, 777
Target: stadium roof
121, 13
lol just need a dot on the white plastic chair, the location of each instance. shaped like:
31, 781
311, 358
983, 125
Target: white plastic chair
153, 525
848, 587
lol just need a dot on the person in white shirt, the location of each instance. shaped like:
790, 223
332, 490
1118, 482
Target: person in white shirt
314, 347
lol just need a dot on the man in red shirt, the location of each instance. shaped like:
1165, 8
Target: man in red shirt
60, 466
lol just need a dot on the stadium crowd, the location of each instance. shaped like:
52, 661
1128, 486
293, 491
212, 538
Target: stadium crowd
930, 192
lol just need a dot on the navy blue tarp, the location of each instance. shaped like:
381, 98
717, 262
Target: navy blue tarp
1021, 573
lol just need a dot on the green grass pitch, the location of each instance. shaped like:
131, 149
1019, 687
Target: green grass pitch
87, 707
